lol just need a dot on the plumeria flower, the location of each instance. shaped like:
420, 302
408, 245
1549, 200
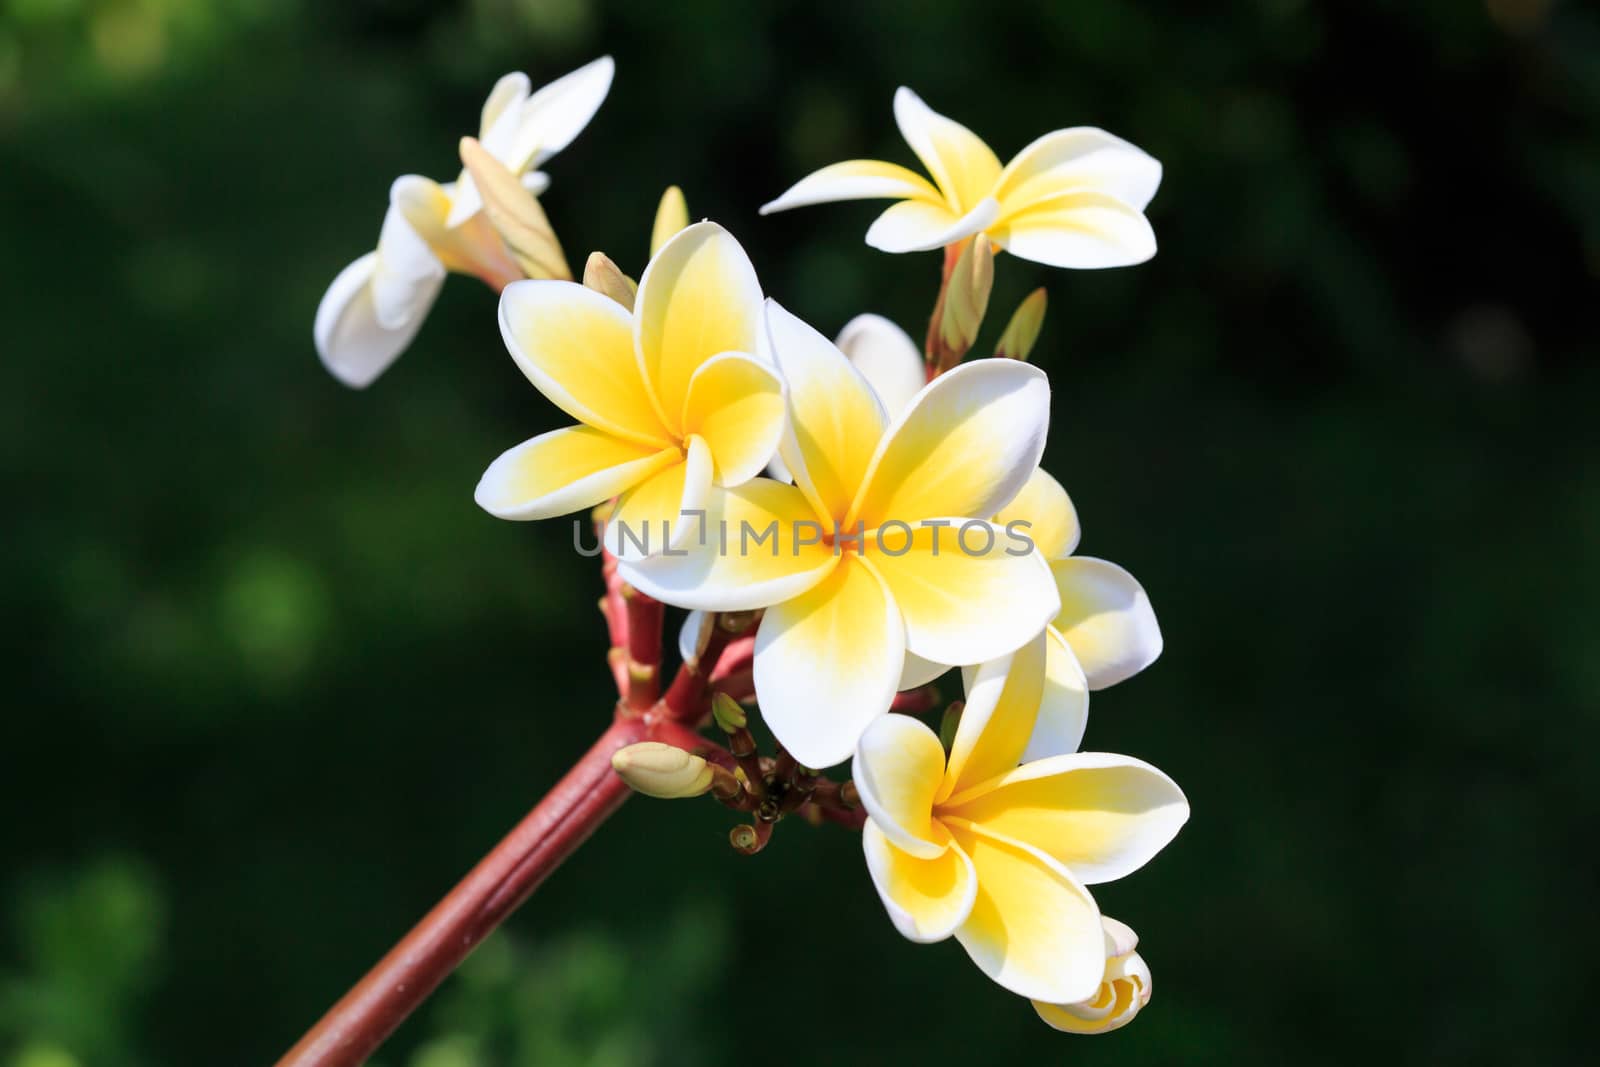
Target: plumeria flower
669, 397
1124, 988
866, 559
998, 854
1072, 198
377, 304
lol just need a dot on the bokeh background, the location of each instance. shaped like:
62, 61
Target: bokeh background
272, 681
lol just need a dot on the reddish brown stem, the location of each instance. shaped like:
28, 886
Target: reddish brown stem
366, 1015
644, 648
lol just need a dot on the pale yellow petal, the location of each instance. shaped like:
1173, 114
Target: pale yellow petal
1043, 513
927, 899
1083, 231
898, 768
965, 446
666, 510
736, 404
855, 179
1034, 928
762, 545
920, 226
576, 347
967, 595
1125, 988
1003, 697
1107, 619
1064, 705
963, 166
1102, 815
566, 470
1075, 160
827, 662
835, 420
698, 298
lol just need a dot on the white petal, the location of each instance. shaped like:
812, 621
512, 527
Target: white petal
353, 344
1064, 704
1081, 231
408, 272
918, 672
959, 161
898, 768
886, 357
564, 471
1106, 618
856, 179
1078, 159
919, 226
692, 636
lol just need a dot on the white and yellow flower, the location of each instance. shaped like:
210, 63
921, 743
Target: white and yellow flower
1124, 988
998, 854
1072, 198
377, 304
868, 559
1106, 630
669, 397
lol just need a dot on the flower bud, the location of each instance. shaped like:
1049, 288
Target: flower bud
1123, 991
515, 214
729, 715
966, 299
672, 215
604, 276
664, 771
1023, 329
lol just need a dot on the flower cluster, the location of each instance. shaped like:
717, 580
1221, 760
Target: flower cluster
855, 518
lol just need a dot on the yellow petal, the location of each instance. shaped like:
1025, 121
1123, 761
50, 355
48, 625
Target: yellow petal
963, 166
1077, 160
856, 179
835, 420
1106, 618
965, 446
763, 545
1051, 520
566, 470
1084, 231
827, 663
698, 298
964, 596
664, 511
1003, 697
672, 215
576, 347
927, 899
1124, 989
1034, 928
898, 768
1064, 704
1101, 815
736, 404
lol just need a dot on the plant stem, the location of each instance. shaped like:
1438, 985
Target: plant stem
354, 1027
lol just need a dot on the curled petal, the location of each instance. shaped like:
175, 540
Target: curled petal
919, 672
897, 770
920, 226
927, 899
1084, 231
1124, 989
1107, 619
408, 272
856, 179
665, 510
826, 664
1079, 159
352, 343
736, 403
1102, 815
1063, 705
566, 470
886, 357
964, 167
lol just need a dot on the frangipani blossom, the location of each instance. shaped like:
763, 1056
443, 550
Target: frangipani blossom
867, 558
1072, 198
668, 397
1124, 988
377, 304
998, 854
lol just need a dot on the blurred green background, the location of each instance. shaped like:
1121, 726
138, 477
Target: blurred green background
273, 682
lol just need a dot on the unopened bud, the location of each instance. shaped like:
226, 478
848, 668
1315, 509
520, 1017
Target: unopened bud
672, 215
966, 299
728, 714
744, 839
515, 214
604, 276
1023, 329
664, 771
